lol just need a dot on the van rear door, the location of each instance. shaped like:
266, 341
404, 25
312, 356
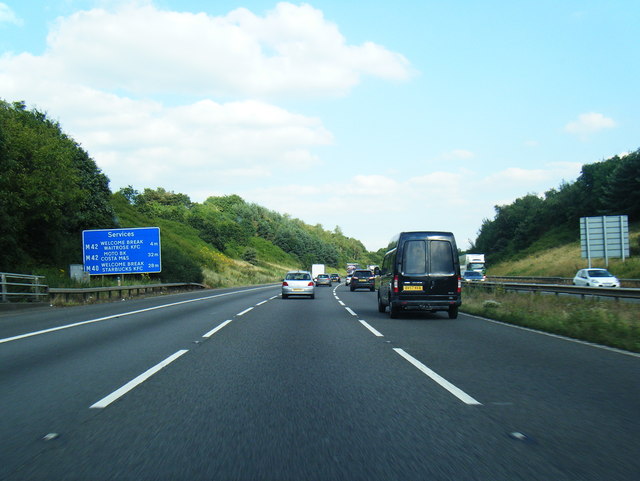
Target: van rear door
427, 270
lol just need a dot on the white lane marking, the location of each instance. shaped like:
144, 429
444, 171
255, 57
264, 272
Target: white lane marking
216, 329
464, 397
115, 316
350, 311
557, 336
244, 312
263, 302
104, 402
341, 303
375, 333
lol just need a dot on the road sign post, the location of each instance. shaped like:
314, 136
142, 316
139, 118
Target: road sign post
604, 237
121, 251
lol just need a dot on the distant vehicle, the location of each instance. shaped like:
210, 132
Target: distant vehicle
317, 269
420, 271
323, 280
362, 278
352, 266
298, 283
473, 276
595, 278
335, 277
472, 262
347, 280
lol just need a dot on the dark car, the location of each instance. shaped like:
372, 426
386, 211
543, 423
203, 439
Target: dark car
361, 279
335, 278
420, 271
473, 276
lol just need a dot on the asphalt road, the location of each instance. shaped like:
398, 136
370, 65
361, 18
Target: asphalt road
240, 384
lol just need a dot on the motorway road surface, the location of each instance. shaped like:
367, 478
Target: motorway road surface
240, 384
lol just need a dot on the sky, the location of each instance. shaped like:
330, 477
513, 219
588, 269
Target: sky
372, 117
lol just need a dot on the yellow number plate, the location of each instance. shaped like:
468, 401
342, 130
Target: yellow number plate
412, 288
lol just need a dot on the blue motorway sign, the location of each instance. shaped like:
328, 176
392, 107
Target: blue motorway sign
121, 251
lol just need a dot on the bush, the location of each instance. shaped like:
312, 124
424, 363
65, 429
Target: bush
178, 267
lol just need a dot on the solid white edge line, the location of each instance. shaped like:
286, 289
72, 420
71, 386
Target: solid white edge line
350, 311
216, 329
375, 333
557, 336
104, 402
244, 312
464, 397
91, 321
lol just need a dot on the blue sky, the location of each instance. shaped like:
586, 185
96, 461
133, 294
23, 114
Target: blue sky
376, 117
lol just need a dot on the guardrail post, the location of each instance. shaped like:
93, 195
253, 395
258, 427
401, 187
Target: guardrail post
4, 288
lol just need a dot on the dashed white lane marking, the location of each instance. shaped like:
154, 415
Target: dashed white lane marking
464, 397
123, 314
216, 329
104, 402
375, 333
350, 311
244, 312
341, 303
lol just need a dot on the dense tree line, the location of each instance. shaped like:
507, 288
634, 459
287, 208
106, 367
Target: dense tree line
228, 222
50, 190
610, 187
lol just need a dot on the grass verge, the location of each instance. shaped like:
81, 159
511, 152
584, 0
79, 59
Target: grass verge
607, 322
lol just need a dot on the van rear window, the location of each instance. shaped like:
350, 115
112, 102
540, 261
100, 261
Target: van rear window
441, 257
416, 262
415, 258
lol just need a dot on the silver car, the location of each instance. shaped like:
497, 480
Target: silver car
595, 278
323, 280
298, 283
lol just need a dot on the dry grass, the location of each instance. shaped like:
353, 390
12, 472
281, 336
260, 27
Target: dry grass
607, 322
242, 273
565, 261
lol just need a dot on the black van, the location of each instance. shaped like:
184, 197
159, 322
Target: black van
420, 271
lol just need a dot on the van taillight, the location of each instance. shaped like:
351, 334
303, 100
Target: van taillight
395, 283
459, 285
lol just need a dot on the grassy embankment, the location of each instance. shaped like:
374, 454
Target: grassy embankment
608, 322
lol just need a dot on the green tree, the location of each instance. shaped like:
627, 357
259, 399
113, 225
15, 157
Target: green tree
50, 190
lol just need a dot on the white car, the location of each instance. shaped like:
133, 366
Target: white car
595, 278
298, 283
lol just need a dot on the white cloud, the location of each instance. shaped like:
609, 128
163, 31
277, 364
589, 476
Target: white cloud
8, 16
138, 47
589, 123
374, 207
459, 154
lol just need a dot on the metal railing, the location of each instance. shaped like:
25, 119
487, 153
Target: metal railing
87, 294
631, 283
611, 292
20, 287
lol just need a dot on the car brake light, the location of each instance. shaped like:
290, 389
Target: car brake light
459, 285
310, 283
285, 284
395, 283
